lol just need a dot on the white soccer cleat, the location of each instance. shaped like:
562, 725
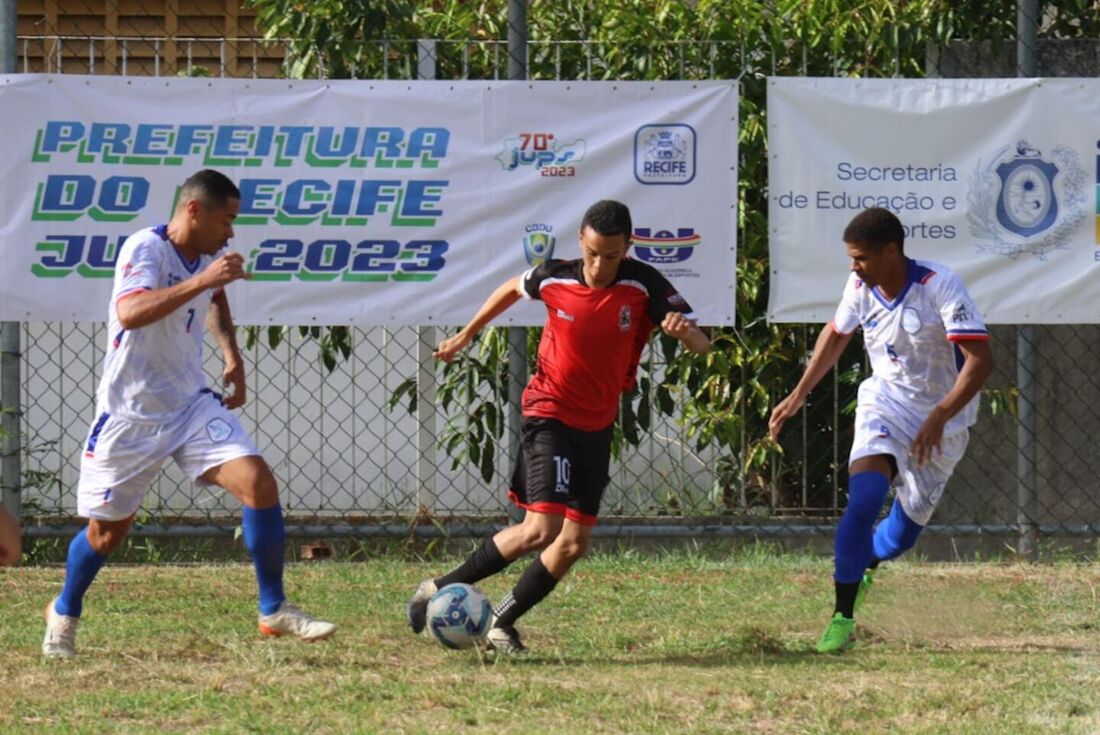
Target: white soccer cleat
416, 609
504, 640
60, 640
290, 620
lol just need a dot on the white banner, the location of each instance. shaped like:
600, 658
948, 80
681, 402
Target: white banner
364, 202
996, 178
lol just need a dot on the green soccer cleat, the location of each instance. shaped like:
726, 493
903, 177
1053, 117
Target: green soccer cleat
865, 585
839, 636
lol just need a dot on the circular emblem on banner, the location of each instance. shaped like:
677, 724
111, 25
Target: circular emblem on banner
1022, 201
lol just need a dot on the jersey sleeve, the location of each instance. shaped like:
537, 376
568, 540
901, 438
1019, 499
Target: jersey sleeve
846, 318
138, 269
961, 319
530, 283
664, 298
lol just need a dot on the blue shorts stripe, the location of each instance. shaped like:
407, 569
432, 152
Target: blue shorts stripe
94, 437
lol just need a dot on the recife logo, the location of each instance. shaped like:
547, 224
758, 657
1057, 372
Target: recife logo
1024, 201
665, 246
538, 243
664, 154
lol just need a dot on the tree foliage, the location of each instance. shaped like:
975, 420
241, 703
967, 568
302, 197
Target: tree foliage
722, 398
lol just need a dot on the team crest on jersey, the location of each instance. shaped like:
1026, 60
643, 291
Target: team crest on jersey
883, 431
624, 319
961, 314
1021, 201
910, 320
218, 430
891, 352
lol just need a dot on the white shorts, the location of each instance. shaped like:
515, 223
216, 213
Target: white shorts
919, 489
122, 458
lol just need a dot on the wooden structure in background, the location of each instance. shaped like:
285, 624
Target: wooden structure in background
144, 37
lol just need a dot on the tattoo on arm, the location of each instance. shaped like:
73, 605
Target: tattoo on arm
220, 323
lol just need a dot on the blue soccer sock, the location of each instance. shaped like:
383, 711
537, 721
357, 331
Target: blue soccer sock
265, 539
854, 534
82, 565
896, 534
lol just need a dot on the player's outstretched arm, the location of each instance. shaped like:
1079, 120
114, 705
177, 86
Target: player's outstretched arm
11, 545
683, 329
498, 302
145, 307
219, 322
827, 350
976, 369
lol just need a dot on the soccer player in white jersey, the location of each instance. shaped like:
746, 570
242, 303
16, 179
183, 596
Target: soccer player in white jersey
930, 355
152, 404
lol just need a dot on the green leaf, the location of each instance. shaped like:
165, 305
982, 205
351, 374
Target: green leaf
487, 462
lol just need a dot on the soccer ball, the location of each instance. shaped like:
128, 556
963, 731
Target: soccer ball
458, 615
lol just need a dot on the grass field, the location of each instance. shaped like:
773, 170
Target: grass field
675, 642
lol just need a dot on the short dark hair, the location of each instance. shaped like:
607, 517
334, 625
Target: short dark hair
212, 188
608, 217
876, 228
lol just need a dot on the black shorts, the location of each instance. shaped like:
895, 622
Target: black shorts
561, 470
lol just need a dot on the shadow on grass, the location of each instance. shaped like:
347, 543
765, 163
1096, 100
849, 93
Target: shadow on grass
750, 646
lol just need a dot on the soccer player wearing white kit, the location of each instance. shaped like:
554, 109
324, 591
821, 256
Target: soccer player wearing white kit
930, 355
152, 404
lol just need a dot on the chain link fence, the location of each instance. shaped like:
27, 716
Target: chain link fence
349, 463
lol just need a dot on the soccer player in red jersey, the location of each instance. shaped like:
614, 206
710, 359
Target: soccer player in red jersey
600, 309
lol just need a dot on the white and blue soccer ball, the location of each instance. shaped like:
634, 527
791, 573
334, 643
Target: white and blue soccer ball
459, 615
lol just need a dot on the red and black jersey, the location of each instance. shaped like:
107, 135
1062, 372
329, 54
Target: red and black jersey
593, 338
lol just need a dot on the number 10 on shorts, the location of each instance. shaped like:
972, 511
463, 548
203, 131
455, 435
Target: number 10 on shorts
561, 466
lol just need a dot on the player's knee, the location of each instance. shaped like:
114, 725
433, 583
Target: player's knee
264, 492
538, 537
572, 549
105, 538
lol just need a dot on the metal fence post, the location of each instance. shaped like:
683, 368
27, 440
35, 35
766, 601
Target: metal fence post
517, 336
426, 439
11, 471
1026, 483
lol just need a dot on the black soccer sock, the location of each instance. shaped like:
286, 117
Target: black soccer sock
846, 598
535, 583
484, 562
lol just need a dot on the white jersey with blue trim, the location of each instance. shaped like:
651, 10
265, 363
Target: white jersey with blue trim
911, 342
151, 374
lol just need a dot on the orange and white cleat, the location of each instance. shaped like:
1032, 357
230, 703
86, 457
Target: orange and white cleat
290, 620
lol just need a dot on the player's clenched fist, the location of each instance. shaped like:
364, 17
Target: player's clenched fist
226, 269
451, 346
676, 325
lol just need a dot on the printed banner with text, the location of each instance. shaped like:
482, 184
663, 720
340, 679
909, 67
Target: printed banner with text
998, 179
368, 203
